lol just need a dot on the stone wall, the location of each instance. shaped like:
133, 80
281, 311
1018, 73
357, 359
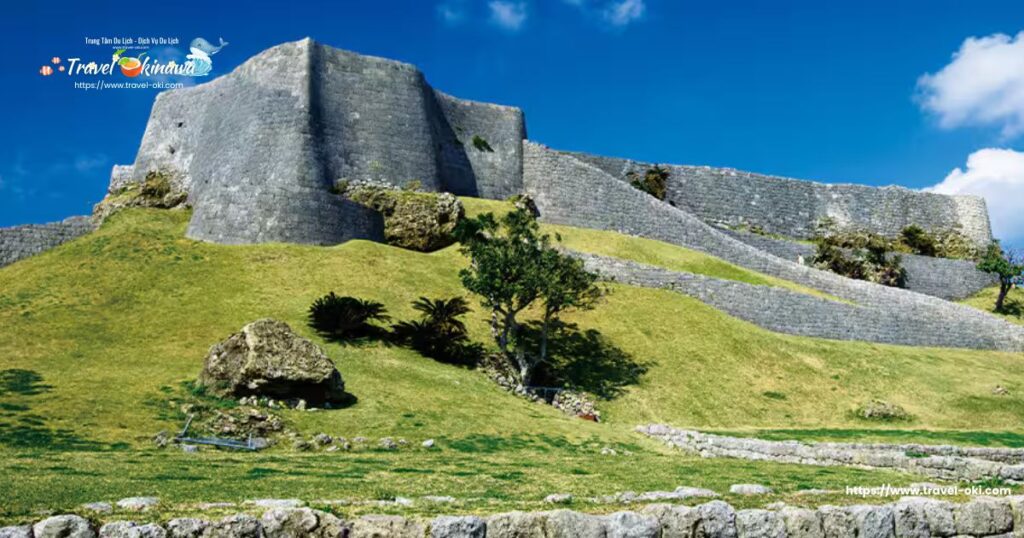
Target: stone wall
944, 462
19, 242
790, 312
910, 517
569, 191
259, 149
793, 207
939, 277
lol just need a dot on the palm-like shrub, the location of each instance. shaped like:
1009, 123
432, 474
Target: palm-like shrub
345, 317
439, 333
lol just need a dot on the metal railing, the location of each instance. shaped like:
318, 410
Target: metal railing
215, 441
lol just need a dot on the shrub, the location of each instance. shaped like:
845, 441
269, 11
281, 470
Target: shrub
866, 257
918, 240
654, 181
156, 185
345, 317
481, 145
439, 333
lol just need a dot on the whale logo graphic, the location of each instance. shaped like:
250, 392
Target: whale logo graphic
200, 51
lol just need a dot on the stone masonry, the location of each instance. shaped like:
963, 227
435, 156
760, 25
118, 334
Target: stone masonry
569, 191
19, 242
793, 208
943, 462
909, 517
786, 311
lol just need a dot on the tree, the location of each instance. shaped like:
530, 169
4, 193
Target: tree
1006, 266
512, 267
345, 317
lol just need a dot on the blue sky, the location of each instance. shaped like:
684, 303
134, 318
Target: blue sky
823, 90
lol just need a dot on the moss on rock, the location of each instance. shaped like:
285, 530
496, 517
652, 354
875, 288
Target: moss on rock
422, 221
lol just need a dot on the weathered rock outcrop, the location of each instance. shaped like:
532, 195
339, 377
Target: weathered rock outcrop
266, 358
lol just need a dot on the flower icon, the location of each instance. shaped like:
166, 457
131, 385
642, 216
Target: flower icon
55, 60
46, 70
61, 69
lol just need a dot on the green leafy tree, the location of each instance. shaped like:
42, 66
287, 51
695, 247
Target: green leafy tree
513, 267
654, 181
1006, 266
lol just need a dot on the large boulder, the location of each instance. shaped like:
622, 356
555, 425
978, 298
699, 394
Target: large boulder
423, 221
266, 358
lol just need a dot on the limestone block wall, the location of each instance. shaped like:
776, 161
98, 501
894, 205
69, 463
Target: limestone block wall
939, 277
20, 242
569, 191
910, 517
943, 462
259, 149
793, 207
790, 312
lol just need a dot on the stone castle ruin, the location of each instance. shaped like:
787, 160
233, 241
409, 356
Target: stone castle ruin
259, 151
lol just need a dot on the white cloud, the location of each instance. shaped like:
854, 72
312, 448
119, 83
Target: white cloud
982, 85
623, 12
451, 12
87, 163
998, 176
508, 15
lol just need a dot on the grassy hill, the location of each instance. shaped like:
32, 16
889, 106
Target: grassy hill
986, 300
100, 332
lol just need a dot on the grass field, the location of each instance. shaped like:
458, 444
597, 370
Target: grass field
99, 333
986, 300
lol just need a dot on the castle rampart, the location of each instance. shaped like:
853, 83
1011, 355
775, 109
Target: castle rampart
793, 208
19, 242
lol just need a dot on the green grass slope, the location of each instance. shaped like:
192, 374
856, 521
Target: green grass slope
98, 334
986, 300
113, 321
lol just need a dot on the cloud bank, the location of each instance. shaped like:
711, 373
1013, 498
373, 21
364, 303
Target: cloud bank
998, 176
983, 85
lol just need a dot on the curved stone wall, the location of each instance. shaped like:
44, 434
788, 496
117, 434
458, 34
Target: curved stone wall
259, 149
569, 191
793, 207
939, 277
20, 242
790, 312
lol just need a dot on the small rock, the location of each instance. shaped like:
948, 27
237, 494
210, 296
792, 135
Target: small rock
559, 498
387, 443
458, 527
440, 499
429, 443
101, 508
137, 503
403, 501
130, 529
66, 526
162, 439
276, 503
608, 451
24, 531
333, 448
190, 449
1000, 391
360, 440
301, 445
402, 442
749, 489
322, 439
237, 526
186, 528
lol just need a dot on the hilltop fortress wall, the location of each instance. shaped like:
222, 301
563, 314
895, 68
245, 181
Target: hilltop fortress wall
793, 208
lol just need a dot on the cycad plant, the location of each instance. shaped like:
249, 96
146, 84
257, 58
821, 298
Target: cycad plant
439, 333
344, 318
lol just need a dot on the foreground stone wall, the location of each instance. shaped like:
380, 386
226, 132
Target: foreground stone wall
944, 462
20, 242
259, 150
908, 518
939, 277
569, 191
793, 207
